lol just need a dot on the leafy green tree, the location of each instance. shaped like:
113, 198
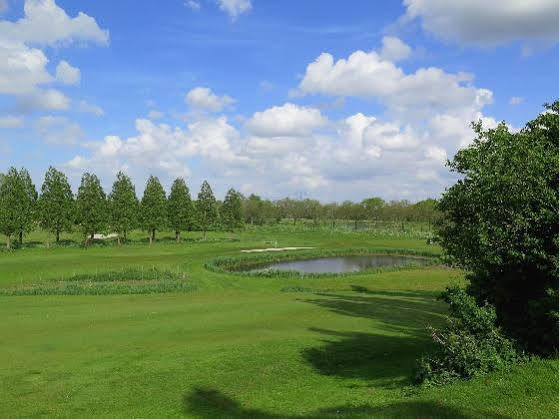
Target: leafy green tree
123, 206
206, 208
91, 207
179, 207
11, 195
153, 207
27, 204
232, 210
56, 203
373, 207
500, 223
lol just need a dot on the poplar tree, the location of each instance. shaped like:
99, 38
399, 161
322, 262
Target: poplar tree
206, 208
27, 204
56, 203
123, 206
232, 210
153, 207
179, 207
91, 207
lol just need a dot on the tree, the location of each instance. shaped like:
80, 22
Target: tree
372, 207
179, 207
123, 206
153, 207
27, 204
500, 222
56, 203
91, 207
232, 210
11, 194
206, 208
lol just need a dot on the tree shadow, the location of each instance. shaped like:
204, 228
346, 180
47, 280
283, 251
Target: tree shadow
381, 360
209, 403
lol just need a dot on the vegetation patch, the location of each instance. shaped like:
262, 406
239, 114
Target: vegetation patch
127, 281
246, 264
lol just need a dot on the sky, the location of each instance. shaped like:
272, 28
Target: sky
331, 100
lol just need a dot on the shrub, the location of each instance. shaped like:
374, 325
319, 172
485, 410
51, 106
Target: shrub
471, 344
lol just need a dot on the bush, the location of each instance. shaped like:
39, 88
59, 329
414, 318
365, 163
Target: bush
471, 344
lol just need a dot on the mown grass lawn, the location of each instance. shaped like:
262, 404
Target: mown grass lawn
239, 346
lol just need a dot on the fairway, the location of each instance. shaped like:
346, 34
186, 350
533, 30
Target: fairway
234, 345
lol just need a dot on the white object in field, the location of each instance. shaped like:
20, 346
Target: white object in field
103, 237
275, 249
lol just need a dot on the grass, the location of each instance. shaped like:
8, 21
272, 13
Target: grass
237, 346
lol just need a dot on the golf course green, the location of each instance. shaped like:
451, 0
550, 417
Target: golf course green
233, 345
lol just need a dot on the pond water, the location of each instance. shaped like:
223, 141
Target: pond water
344, 264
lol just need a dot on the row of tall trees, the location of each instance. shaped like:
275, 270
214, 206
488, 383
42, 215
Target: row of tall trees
57, 210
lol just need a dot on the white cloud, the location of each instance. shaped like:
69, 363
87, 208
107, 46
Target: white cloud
235, 8
67, 74
202, 98
45, 23
369, 75
436, 154
153, 114
22, 69
192, 4
11, 121
87, 107
516, 100
50, 99
285, 121
59, 130
487, 23
394, 49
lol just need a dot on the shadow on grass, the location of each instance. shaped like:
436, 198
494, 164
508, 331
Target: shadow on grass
210, 403
380, 360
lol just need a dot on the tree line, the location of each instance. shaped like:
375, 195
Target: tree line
56, 209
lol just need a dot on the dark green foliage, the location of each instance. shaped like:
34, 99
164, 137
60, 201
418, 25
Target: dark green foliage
123, 206
91, 207
179, 207
153, 207
56, 203
232, 210
471, 344
18, 199
206, 208
501, 224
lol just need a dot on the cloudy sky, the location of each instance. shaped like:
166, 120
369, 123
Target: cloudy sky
326, 99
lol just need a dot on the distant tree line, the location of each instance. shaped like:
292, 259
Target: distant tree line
56, 209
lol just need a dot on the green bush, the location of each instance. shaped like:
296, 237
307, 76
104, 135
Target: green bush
471, 344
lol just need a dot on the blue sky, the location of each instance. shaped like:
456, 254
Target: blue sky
325, 99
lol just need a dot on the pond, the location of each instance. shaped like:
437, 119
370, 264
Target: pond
344, 264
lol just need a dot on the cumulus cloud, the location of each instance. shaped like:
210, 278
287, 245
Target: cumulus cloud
202, 98
369, 75
487, 23
58, 130
45, 23
394, 49
153, 114
87, 107
235, 8
516, 100
288, 120
11, 121
24, 71
67, 74
192, 4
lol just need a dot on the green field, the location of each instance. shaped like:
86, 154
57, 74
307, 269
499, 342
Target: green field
238, 346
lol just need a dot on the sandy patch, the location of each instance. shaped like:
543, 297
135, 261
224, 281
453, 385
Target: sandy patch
275, 249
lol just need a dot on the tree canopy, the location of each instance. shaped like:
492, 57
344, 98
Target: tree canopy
206, 208
123, 206
232, 210
91, 206
500, 222
56, 203
153, 207
179, 207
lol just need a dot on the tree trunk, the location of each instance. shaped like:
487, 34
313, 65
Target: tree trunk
178, 235
92, 236
355, 225
125, 236
118, 239
8, 244
20, 238
57, 236
205, 234
153, 234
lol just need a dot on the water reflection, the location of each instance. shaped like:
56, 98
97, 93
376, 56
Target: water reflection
344, 264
